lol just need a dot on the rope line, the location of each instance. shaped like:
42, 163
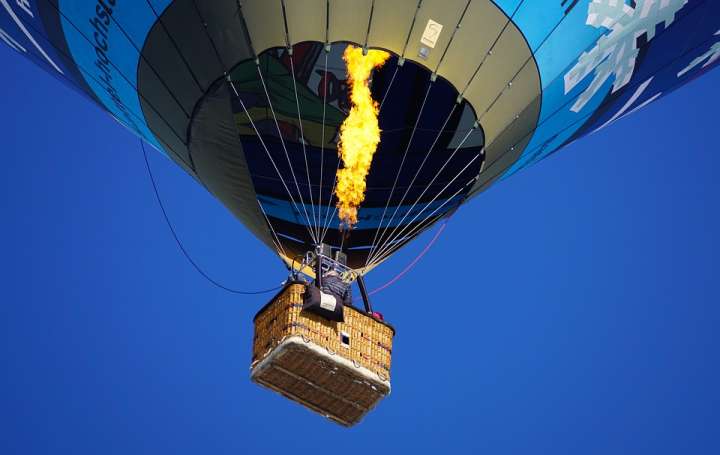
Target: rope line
437, 174
387, 92
499, 95
416, 231
412, 27
322, 150
391, 239
287, 155
262, 142
490, 107
489, 52
412, 263
402, 164
332, 215
327, 221
492, 46
257, 133
452, 37
228, 78
275, 239
417, 173
179, 243
302, 141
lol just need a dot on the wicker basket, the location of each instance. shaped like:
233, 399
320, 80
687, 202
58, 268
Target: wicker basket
338, 369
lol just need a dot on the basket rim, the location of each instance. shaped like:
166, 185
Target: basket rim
294, 282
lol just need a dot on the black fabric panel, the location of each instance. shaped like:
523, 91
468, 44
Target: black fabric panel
181, 56
220, 161
160, 52
185, 27
174, 119
160, 121
180, 63
226, 30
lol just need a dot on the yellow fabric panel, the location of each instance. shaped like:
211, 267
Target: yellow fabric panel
307, 20
512, 103
349, 20
480, 26
265, 23
391, 24
445, 12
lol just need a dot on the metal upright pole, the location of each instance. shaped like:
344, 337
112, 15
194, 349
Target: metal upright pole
318, 271
364, 294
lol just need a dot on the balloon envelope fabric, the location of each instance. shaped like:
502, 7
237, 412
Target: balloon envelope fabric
248, 98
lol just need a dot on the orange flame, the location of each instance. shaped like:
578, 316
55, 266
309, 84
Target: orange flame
359, 133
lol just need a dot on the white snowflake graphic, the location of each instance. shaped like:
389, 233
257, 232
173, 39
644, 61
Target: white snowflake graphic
708, 57
615, 53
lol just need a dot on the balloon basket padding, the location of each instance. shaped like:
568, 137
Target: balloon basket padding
340, 370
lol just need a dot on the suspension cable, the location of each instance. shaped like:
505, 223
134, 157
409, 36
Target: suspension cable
502, 91
414, 262
417, 230
274, 238
489, 52
302, 141
179, 243
229, 79
322, 149
327, 220
402, 162
287, 155
432, 79
489, 108
437, 174
409, 187
505, 88
391, 239
387, 92
262, 142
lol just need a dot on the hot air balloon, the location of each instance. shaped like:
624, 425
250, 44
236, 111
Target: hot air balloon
250, 97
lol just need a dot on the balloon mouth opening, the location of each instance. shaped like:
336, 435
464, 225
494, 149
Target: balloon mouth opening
289, 111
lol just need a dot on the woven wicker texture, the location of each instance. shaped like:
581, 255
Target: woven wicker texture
340, 370
369, 341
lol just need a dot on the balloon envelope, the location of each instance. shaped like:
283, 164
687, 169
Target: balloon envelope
248, 98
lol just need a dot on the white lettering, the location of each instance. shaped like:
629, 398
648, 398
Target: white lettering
21, 26
25, 5
621, 113
11, 41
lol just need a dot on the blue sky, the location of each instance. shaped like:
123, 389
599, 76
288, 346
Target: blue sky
570, 309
